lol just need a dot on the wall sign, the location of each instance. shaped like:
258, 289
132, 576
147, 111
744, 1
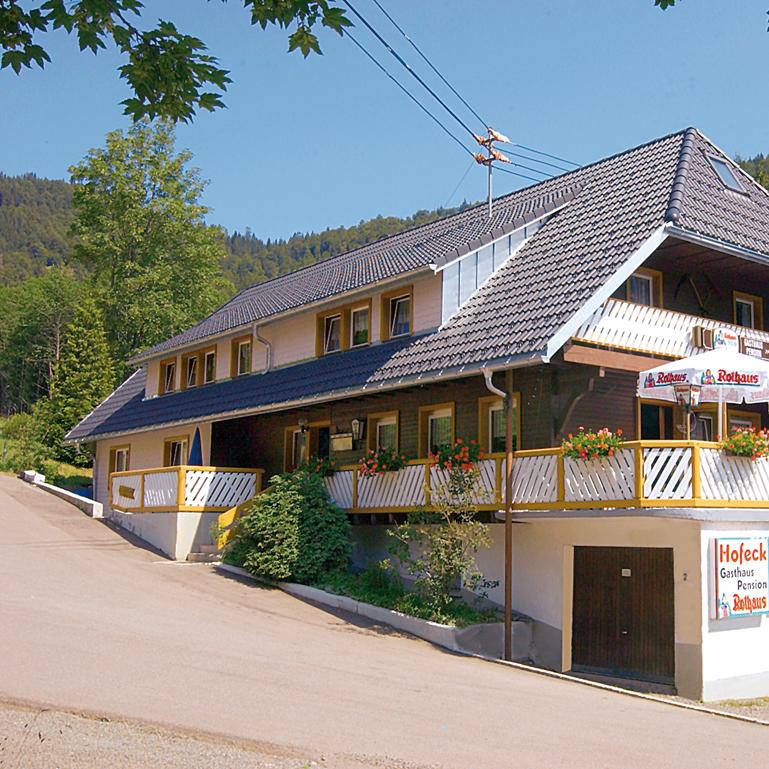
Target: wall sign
740, 579
711, 338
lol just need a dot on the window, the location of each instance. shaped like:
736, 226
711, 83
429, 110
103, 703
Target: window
332, 334
119, 459
726, 174
491, 423
748, 310
298, 447
382, 430
436, 427
175, 451
167, 376
240, 356
743, 420
190, 368
209, 367
703, 427
360, 327
400, 316
643, 287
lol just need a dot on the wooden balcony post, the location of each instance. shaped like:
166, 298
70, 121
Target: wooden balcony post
428, 495
141, 492
561, 478
355, 489
181, 478
696, 487
639, 471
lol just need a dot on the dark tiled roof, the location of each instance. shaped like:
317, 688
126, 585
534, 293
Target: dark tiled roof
127, 409
616, 205
387, 258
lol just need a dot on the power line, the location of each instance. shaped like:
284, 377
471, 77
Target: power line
424, 109
459, 183
546, 154
533, 160
403, 63
408, 93
428, 62
515, 173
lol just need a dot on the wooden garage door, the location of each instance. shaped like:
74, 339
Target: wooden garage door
622, 621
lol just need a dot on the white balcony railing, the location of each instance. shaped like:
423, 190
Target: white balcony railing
183, 489
642, 474
652, 330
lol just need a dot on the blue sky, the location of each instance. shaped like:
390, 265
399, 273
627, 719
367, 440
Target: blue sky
306, 144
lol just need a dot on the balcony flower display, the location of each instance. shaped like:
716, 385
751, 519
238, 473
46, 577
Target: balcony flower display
592, 444
457, 456
322, 466
380, 461
747, 442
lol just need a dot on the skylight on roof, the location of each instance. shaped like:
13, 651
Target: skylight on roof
726, 174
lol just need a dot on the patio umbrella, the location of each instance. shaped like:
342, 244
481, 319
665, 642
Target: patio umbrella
196, 450
724, 375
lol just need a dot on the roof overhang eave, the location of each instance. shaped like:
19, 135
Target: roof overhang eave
724, 246
457, 372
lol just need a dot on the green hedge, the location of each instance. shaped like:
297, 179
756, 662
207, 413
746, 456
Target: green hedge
292, 531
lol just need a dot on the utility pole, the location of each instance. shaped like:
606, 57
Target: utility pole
491, 155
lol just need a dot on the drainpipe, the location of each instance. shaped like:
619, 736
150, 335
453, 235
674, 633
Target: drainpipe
268, 347
508, 401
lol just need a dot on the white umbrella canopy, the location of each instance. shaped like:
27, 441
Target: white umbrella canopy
725, 375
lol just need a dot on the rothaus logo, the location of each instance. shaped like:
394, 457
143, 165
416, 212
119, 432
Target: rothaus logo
664, 378
737, 377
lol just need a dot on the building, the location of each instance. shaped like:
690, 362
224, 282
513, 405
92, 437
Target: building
575, 284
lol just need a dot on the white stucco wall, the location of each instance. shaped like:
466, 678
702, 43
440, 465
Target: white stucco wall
735, 651
146, 452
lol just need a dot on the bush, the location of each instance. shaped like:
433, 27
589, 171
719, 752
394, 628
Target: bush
292, 531
21, 447
438, 546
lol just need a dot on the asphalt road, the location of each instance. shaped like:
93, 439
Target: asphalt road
89, 621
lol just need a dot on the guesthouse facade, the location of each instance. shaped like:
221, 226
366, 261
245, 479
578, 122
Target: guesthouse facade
575, 285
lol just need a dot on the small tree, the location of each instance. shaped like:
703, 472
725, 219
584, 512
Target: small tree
438, 545
81, 379
292, 531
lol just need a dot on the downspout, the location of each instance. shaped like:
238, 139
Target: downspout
508, 567
268, 348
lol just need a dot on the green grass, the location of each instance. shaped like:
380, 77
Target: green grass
13, 460
380, 587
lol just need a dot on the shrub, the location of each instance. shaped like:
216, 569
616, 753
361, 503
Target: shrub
588, 444
22, 448
322, 466
380, 461
438, 546
747, 442
292, 531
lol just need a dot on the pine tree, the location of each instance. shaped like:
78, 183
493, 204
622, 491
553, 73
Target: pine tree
82, 378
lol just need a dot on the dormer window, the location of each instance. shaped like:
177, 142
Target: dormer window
167, 376
332, 334
726, 174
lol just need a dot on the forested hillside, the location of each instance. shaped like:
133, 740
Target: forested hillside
35, 215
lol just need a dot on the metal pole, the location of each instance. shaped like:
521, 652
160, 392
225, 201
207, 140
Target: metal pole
509, 515
489, 163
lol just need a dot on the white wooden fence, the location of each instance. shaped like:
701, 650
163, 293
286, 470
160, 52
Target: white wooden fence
183, 489
641, 474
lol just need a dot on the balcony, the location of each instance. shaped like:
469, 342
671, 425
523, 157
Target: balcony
183, 489
655, 331
643, 474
